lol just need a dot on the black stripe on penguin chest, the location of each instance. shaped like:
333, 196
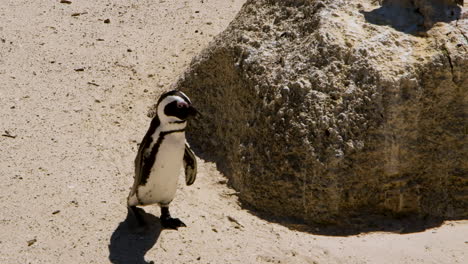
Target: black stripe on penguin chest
150, 159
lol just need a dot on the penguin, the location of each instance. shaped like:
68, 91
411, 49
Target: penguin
161, 154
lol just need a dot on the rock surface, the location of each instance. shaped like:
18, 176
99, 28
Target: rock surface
338, 111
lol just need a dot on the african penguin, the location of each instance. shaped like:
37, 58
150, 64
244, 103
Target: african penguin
160, 157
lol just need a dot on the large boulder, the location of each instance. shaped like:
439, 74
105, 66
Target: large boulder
333, 111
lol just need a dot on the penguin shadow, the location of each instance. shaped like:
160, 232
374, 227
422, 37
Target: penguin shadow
129, 242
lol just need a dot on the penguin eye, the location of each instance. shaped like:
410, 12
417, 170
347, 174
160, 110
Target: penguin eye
181, 104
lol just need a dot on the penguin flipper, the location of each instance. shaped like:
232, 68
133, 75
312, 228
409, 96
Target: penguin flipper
141, 172
138, 168
190, 165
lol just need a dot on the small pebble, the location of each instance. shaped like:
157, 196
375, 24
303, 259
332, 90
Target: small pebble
31, 242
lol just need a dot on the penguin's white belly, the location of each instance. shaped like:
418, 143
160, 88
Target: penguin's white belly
162, 181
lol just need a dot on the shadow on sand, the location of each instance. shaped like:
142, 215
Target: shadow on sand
408, 18
129, 243
359, 224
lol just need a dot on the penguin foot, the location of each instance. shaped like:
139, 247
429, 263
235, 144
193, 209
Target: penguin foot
167, 222
171, 223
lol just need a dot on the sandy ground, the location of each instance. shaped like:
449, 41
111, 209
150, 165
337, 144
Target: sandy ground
74, 94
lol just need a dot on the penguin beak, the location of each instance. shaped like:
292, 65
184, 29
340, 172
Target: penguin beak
192, 111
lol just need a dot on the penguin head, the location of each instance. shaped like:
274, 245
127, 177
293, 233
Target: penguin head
175, 106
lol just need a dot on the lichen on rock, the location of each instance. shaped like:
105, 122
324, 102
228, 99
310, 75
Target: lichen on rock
330, 111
